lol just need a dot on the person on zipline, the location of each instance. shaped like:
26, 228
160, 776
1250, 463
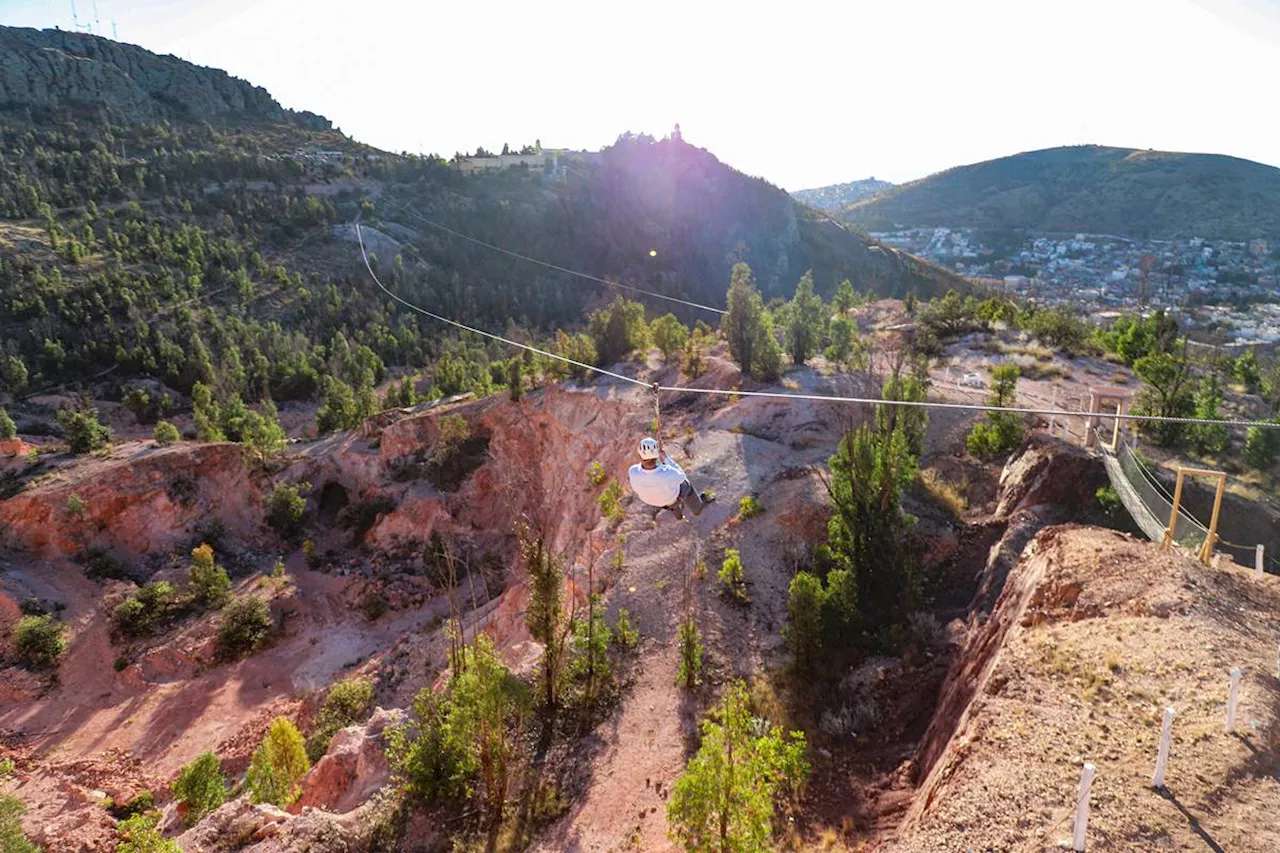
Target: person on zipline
661, 483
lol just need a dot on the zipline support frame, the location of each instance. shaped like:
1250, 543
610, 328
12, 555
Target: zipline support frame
1205, 554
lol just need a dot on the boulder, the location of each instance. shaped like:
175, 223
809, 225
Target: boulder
232, 826
354, 768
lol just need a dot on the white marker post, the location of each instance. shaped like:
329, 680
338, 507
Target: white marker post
1082, 806
1258, 564
1232, 698
1162, 757
1053, 404
1066, 431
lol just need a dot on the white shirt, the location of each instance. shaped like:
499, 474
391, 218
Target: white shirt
658, 486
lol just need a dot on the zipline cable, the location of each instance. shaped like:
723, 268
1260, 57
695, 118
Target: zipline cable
779, 395
425, 221
969, 407
483, 333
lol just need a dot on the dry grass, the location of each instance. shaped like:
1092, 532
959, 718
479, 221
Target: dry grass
947, 494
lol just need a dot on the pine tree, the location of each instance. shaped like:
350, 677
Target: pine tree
205, 413
544, 614
669, 335
8, 430
805, 321
845, 298
724, 800
277, 765
200, 787
805, 599
209, 581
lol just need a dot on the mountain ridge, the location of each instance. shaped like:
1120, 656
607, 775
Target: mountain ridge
1090, 188
55, 69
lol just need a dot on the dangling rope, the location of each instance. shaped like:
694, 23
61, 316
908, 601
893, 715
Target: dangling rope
657, 417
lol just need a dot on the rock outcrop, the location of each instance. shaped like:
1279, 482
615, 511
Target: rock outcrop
1046, 482
52, 69
354, 768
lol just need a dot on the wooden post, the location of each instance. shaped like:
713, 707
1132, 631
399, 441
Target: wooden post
1162, 757
1232, 698
1173, 516
1206, 554
1115, 433
1082, 806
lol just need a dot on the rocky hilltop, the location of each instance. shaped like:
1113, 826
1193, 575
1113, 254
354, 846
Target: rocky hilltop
839, 196
52, 69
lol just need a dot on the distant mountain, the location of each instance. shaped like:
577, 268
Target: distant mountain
1155, 194
838, 196
53, 70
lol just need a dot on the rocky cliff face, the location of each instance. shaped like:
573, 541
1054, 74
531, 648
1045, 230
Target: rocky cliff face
143, 504
52, 69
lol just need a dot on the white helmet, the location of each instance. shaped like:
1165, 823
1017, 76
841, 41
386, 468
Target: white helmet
648, 448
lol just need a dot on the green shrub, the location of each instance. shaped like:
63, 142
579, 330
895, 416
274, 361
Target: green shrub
39, 640
346, 704
138, 616
749, 507
131, 619
625, 636
277, 568
426, 754
285, 507
165, 433
141, 803
278, 763
8, 429
1262, 447
731, 576
998, 434
589, 665
200, 787
101, 566
245, 627
309, 554
138, 834
596, 474
84, 433
12, 839
611, 501
210, 583
75, 505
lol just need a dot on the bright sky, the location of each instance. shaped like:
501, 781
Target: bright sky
803, 93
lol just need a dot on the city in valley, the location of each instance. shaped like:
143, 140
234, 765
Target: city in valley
1224, 291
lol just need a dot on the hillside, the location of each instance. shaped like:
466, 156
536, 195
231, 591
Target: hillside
839, 196
1089, 188
166, 222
